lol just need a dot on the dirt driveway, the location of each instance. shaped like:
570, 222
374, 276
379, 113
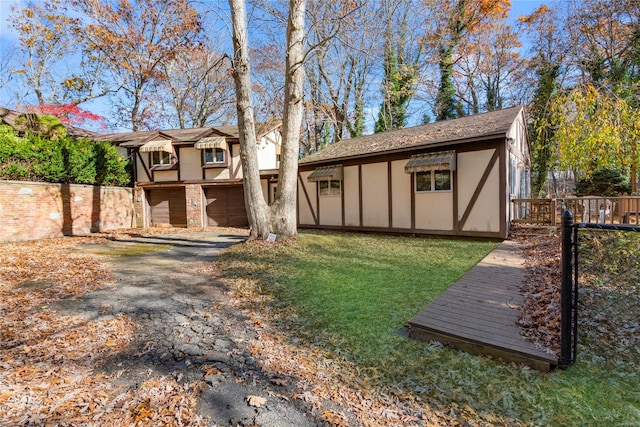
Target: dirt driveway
189, 327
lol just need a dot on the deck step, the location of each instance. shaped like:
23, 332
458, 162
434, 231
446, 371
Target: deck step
478, 313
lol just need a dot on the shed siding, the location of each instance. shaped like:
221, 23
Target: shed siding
306, 188
351, 191
330, 209
400, 195
485, 213
434, 211
375, 191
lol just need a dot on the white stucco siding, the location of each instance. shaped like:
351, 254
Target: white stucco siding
190, 164
306, 199
211, 174
330, 210
351, 189
375, 195
141, 175
400, 195
164, 176
434, 210
484, 216
268, 148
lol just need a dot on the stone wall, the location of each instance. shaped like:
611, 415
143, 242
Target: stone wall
32, 210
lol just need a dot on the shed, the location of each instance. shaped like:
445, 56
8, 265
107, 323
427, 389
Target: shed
454, 177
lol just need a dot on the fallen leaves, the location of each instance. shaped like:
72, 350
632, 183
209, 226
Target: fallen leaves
539, 319
256, 401
49, 362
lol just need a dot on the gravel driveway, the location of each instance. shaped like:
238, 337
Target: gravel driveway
187, 319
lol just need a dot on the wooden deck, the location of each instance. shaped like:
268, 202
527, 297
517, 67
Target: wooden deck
478, 313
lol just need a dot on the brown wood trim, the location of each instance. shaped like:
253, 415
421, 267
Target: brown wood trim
144, 166
342, 199
317, 202
493, 235
502, 149
177, 149
454, 176
413, 201
306, 195
360, 215
390, 194
479, 187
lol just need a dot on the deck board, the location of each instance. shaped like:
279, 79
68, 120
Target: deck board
478, 313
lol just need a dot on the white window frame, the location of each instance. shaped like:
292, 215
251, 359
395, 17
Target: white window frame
331, 191
163, 158
432, 188
213, 152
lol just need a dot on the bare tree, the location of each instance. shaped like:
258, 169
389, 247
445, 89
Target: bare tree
280, 217
342, 40
199, 86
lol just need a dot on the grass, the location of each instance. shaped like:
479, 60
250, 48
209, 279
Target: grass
349, 295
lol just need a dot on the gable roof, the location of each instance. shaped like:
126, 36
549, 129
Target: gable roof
137, 139
478, 126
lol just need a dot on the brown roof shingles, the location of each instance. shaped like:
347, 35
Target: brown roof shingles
494, 123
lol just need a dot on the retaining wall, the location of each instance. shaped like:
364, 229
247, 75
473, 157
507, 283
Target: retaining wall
33, 210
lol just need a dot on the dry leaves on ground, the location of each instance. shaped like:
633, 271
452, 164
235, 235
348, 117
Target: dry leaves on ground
50, 362
540, 314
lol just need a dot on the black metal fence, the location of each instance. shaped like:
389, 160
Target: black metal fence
569, 285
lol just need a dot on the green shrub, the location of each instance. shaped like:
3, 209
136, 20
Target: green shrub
45, 153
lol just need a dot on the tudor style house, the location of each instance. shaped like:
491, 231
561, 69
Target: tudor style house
193, 177
454, 177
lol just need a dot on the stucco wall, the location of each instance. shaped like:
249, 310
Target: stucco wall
190, 164
350, 188
485, 215
401, 195
375, 195
306, 189
30, 210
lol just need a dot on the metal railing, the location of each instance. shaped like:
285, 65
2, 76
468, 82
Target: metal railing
589, 209
569, 283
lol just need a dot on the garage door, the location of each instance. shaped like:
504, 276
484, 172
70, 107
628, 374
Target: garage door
168, 206
225, 207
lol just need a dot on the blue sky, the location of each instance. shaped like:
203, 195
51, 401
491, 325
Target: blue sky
8, 38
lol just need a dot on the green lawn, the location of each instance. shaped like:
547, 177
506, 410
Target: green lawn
349, 294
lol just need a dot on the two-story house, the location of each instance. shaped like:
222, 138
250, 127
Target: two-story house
193, 177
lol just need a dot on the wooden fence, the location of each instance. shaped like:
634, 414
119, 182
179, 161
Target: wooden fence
589, 209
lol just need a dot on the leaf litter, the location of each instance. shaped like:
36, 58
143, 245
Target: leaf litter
50, 363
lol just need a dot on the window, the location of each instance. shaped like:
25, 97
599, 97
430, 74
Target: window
330, 187
213, 155
438, 180
160, 158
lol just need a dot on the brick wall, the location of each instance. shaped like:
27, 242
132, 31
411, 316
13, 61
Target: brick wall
31, 210
194, 196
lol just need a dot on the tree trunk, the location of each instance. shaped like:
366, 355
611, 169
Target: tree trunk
258, 212
281, 217
284, 207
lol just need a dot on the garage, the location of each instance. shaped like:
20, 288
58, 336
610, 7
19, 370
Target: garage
225, 206
168, 206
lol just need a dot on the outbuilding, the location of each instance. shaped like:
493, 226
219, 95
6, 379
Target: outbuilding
454, 177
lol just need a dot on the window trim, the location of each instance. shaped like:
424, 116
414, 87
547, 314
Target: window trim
173, 162
214, 151
330, 192
432, 174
